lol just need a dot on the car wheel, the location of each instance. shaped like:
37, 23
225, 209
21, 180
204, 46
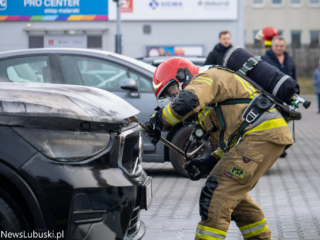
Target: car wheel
11, 216
180, 139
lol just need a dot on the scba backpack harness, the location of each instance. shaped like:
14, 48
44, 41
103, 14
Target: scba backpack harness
283, 88
277, 90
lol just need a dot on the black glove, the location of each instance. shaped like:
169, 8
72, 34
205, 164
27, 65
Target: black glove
204, 166
153, 135
155, 126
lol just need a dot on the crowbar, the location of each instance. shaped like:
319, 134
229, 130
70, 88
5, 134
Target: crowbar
171, 145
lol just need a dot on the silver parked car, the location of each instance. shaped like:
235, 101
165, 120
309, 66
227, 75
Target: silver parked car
126, 77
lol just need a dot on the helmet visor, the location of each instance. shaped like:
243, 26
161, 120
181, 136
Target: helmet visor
168, 94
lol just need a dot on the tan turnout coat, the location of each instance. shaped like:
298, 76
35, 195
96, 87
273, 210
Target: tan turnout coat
217, 85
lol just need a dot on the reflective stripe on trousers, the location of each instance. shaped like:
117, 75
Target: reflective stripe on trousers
208, 233
254, 228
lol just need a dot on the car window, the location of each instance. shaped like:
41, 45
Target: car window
143, 83
135, 77
79, 70
146, 84
26, 70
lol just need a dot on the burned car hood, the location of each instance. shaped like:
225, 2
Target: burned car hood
42, 100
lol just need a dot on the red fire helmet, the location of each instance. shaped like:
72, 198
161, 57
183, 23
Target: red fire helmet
267, 34
166, 73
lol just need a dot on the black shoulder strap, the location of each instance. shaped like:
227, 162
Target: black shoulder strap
235, 101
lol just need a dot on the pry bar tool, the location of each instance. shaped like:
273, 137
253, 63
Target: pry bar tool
172, 146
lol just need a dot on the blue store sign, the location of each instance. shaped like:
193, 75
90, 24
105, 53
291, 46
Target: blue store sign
53, 10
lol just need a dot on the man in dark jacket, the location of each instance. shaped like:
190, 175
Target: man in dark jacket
215, 57
279, 58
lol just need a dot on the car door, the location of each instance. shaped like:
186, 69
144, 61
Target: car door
108, 75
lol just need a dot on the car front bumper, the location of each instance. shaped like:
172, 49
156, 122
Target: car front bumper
91, 200
136, 228
102, 227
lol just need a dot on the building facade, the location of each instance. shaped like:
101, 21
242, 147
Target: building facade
91, 24
297, 20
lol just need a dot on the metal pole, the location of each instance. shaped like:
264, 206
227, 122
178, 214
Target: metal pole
118, 35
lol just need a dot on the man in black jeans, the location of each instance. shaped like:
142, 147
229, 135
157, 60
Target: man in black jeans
215, 57
279, 58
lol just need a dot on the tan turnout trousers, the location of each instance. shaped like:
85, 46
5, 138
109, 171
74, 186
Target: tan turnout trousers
225, 193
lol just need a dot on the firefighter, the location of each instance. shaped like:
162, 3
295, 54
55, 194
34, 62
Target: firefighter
220, 98
266, 35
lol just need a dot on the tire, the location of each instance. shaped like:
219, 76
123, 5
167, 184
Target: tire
180, 139
11, 217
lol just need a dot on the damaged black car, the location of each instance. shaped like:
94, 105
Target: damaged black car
68, 167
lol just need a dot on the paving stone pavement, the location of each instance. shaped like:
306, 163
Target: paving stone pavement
289, 193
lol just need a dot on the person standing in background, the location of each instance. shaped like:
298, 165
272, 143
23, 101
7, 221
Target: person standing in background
215, 57
279, 58
266, 35
316, 82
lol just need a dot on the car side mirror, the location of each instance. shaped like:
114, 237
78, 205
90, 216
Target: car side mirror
129, 84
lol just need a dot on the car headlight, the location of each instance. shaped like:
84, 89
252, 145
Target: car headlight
65, 145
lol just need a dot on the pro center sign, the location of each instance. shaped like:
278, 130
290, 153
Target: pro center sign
53, 10
176, 10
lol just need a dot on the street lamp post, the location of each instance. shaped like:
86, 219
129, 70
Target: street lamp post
118, 35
